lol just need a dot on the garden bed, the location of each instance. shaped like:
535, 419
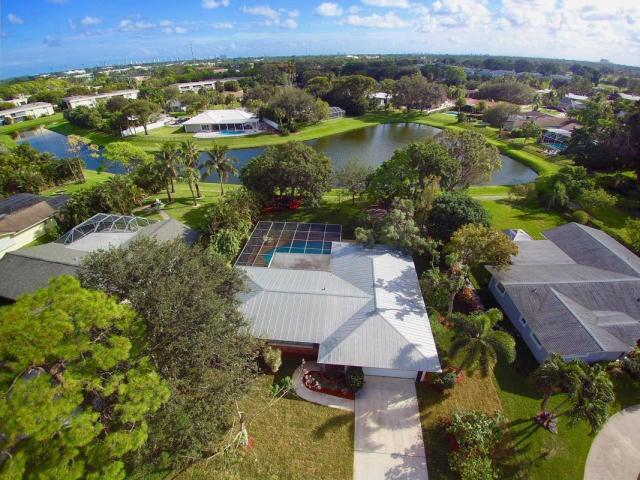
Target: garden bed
336, 386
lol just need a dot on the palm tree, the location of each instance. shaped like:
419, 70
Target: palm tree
218, 162
550, 377
190, 156
191, 176
479, 344
588, 388
169, 155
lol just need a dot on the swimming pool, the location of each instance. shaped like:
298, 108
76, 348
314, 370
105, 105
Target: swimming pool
232, 132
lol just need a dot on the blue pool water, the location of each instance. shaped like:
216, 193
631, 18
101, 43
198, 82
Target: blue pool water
300, 246
232, 132
557, 146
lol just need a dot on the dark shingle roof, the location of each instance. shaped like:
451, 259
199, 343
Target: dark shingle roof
586, 304
28, 269
24, 210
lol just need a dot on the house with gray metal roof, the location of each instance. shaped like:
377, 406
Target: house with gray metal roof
28, 269
577, 293
342, 303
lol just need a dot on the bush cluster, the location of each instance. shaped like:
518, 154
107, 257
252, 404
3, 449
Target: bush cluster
355, 378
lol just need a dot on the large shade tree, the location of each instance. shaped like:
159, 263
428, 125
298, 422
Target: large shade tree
198, 339
76, 387
292, 168
452, 210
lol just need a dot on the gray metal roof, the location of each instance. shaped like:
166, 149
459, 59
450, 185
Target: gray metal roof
28, 269
579, 291
367, 310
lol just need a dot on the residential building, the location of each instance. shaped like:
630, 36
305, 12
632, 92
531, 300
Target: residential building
381, 99
335, 302
571, 101
543, 120
19, 100
23, 218
336, 112
557, 139
576, 293
26, 112
206, 84
31, 268
223, 122
92, 100
613, 96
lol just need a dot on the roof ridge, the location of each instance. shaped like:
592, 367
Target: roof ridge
562, 299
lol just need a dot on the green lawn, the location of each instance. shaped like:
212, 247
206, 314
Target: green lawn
294, 439
92, 178
527, 215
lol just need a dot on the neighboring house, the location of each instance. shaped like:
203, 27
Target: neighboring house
19, 100
340, 303
572, 101
336, 112
206, 84
556, 139
614, 96
26, 112
576, 293
382, 99
23, 218
221, 122
26, 270
92, 100
473, 104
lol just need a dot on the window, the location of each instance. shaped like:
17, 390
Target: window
535, 339
500, 288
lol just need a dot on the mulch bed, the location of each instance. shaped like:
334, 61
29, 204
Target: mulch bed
318, 382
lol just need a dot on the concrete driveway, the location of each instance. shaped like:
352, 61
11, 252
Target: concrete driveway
615, 452
388, 434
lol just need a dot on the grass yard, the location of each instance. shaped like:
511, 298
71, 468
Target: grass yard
527, 215
92, 178
294, 440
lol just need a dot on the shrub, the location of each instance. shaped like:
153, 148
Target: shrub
596, 198
444, 380
272, 357
632, 366
355, 378
476, 433
523, 191
581, 216
452, 210
632, 227
473, 468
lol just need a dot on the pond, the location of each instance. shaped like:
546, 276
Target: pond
373, 145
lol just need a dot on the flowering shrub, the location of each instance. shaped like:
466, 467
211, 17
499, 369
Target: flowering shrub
444, 380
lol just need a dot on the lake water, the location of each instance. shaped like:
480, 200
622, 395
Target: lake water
373, 145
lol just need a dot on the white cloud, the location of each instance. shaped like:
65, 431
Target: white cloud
328, 9
387, 3
165, 23
389, 20
13, 18
274, 17
262, 11
461, 13
128, 25
222, 25
170, 30
209, 4
89, 21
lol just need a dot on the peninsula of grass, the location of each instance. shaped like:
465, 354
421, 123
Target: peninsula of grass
6, 131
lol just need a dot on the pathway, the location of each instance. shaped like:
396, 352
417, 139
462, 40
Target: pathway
615, 452
388, 433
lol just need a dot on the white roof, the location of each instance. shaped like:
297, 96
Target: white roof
573, 96
114, 93
559, 131
366, 310
221, 116
25, 108
381, 95
628, 96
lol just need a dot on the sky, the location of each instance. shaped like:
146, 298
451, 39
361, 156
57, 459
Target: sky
40, 36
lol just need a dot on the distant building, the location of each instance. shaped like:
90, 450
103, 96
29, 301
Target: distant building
19, 100
223, 122
92, 100
26, 112
29, 269
336, 112
623, 96
571, 101
381, 98
206, 84
576, 293
23, 218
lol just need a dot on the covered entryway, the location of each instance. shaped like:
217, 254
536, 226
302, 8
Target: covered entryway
387, 372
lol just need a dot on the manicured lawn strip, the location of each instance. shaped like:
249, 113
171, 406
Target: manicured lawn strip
527, 215
96, 136
92, 178
489, 190
472, 393
294, 439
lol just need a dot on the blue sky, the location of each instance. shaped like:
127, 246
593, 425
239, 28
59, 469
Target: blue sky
39, 36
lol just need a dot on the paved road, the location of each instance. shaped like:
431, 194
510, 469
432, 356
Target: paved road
388, 434
615, 452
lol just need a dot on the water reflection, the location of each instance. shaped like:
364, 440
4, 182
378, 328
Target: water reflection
373, 145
